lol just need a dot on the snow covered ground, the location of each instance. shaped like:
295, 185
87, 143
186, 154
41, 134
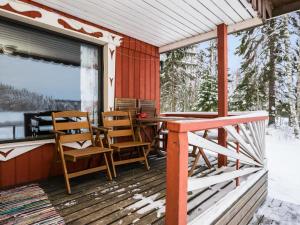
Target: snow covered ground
283, 154
283, 203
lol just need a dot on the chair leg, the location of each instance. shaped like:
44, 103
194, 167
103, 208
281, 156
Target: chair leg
148, 150
145, 159
107, 167
113, 164
191, 172
66, 176
193, 154
205, 158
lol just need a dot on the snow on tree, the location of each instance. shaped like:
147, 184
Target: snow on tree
177, 78
207, 90
250, 93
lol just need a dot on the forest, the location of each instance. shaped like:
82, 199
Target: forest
268, 77
21, 100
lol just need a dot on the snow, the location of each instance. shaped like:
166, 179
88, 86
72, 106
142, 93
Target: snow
277, 212
209, 215
283, 154
147, 204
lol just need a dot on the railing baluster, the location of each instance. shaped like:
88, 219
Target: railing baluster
237, 180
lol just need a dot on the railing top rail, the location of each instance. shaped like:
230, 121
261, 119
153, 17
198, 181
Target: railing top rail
203, 124
203, 114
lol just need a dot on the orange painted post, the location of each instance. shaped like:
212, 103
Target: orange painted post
177, 178
222, 86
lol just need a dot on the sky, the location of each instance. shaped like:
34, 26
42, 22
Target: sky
234, 61
56, 80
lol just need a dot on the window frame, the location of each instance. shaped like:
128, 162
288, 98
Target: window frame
100, 75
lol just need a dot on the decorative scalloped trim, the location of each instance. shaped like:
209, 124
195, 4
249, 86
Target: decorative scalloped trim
81, 30
12, 150
31, 14
59, 21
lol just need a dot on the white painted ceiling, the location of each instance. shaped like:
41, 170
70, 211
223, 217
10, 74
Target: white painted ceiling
158, 22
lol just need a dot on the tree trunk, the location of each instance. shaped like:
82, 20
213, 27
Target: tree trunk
272, 75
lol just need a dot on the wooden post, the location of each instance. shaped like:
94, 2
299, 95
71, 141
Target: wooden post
222, 86
177, 178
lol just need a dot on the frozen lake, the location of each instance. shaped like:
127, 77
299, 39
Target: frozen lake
11, 117
6, 132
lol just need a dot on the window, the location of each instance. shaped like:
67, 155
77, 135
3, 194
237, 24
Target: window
43, 72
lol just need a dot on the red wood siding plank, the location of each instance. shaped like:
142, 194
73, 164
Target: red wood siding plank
118, 89
8, 173
153, 77
22, 169
157, 84
36, 164
148, 77
131, 74
132, 43
137, 75
142, 75
48, 161
125, 72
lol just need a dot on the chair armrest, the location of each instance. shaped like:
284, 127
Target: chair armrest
98, 139
58, 132
100, 128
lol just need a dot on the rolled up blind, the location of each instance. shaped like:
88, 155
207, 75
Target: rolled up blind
25, 41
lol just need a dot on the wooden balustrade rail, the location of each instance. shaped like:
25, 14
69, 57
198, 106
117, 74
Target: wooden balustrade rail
177, 155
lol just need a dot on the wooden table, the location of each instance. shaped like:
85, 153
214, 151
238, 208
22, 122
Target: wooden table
158, 124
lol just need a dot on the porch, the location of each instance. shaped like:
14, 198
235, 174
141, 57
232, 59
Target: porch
128, 66
216, 195
138, 196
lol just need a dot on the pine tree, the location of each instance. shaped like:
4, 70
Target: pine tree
250, 93
295, 18
176, 79
207, 90
261, 53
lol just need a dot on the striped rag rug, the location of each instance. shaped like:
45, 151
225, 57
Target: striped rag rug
27, 205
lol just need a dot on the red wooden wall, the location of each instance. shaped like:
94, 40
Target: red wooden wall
137, 76
137, 70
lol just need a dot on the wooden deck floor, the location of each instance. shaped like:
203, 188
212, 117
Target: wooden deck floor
135, 196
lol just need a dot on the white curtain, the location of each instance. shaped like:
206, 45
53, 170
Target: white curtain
89, 81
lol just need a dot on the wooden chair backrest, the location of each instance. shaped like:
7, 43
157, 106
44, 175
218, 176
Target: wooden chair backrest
147, 106
127, 105
70, 124
119, 124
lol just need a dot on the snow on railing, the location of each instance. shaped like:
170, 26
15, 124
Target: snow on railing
246, 145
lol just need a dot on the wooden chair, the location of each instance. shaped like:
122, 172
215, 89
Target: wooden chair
78, 131
147, 106
127, 105
118, 124
196, 154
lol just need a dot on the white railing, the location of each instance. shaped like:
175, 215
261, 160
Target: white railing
246, 146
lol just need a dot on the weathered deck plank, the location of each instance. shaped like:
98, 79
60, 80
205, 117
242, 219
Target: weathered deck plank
136, 196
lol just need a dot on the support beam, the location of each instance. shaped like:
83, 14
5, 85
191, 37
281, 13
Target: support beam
177, 178
222, 86
286, 8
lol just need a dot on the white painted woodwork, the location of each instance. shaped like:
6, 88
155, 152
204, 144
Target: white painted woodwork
11, 150
247, 147
49, 20
162, 23
201, 142
198, 183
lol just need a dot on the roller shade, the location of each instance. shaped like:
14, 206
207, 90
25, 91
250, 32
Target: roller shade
24, 41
